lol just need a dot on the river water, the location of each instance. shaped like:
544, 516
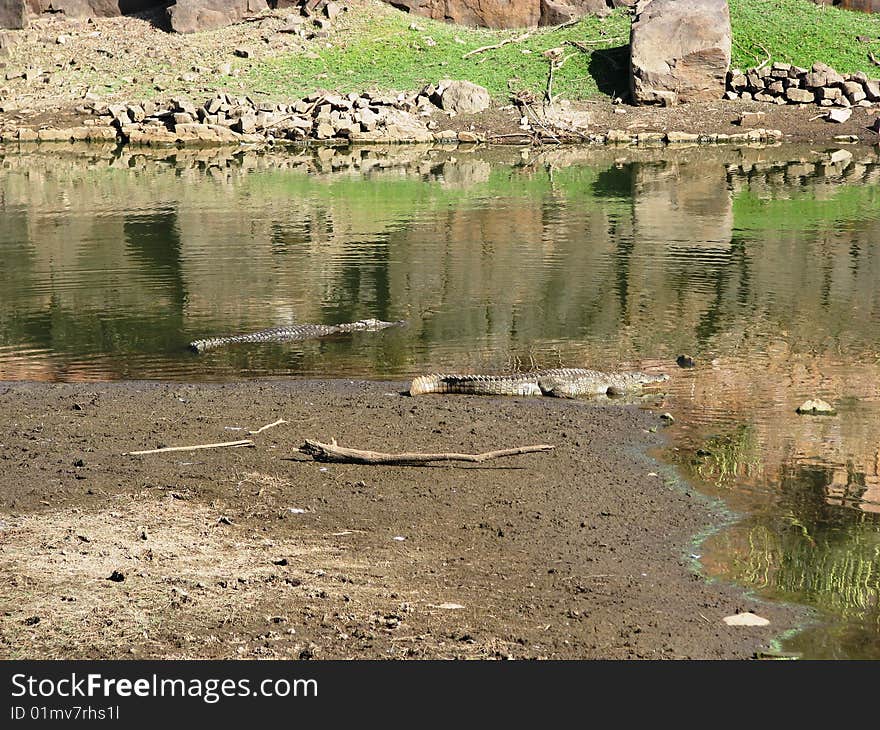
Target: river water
761, 263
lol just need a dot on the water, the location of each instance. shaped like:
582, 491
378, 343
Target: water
761, 263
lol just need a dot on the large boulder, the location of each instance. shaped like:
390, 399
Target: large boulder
463, 97
679, 51
866, 6
503, 13
191, 16
554, 12
92, 8
13, 14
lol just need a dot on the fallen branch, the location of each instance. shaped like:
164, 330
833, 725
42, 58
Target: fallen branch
873, 59
556, 63
243, 442
765, 61
540, 122
582, 45
483, 49
333, 452
268, 425
521, 38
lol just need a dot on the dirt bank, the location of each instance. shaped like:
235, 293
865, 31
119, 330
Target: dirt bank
578, 553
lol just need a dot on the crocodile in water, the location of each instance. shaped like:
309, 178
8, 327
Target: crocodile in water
558, 382
294, 333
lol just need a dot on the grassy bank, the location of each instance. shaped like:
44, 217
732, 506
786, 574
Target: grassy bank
379, 47
376, 47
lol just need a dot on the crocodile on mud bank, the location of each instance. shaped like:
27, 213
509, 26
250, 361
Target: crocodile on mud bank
294, 333
558, 382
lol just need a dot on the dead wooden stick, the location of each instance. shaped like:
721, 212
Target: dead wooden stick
243, 442
268, 425
873, 59
583, 45
521, 38
333, 452
483, 49
765, 61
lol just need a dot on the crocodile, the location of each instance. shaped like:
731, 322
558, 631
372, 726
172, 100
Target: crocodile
558, 382
294, 333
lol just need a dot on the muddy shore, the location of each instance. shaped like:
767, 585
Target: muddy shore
582, 552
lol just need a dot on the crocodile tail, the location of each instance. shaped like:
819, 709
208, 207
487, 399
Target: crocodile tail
199, 346
424, 384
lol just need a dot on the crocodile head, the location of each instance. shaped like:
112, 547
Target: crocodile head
376, 324
597, 383
634, 381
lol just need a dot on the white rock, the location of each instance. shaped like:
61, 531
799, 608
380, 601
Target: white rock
746, 619
838, 115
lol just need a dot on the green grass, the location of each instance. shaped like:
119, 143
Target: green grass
801, 32
376, 49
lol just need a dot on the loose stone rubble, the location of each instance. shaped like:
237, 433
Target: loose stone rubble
782, 83
370, 117
325, 118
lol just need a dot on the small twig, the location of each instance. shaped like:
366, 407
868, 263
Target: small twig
512, 134
765, 61
873, 59
243, 442
268, 425
333, 452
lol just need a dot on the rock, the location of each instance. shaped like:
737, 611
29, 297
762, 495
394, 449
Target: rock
468, 137
831, 76
750, 119
681, 137
192, 16
815, 80
800, 96
324, 131
875, 126
72, 134
246, 123
554, 12
136, 112
679, 52
13, 14
745, 619
503, 13
643, 138
838, 115
618, 136
872, 89
685, 361
94, 8
367, 118
463, 97
854, 91
817, 406
830, 93
116, 576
